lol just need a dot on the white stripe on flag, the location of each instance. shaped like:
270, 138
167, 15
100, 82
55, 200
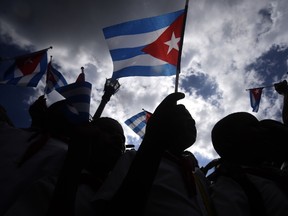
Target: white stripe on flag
137, 123
136, 40
140, 60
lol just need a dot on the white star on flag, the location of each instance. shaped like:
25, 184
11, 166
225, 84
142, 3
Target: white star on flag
173, 43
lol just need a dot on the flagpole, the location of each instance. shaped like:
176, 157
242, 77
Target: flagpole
181, 45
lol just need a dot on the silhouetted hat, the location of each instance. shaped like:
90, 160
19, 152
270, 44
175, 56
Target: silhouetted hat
237, 138
275, 135
241, 138
114, 128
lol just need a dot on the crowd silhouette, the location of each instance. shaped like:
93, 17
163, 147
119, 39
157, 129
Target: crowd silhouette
61, 165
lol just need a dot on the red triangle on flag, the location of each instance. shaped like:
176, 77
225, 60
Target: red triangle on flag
81, 77
256, 93
166, 47
147, 115
29, 63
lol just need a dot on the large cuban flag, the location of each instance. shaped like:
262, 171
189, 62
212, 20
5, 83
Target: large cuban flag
146, 47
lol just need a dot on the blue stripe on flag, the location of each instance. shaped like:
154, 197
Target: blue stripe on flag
161, 70
142, 25
125, 53
137, 123
79, 95
30, 80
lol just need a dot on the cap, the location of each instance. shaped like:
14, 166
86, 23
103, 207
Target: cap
238, 138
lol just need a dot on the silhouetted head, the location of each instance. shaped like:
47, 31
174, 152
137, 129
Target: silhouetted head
114, 129
108, 145
60, 118
275, 135
237, 138
241, 138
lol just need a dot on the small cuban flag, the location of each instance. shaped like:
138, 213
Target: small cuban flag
146, 47
138, 122
27, 70
54, 79
255, 97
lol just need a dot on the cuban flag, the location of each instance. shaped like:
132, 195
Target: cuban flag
27, 70
138, 122
146, 47
255, 97
78, 94
54, 79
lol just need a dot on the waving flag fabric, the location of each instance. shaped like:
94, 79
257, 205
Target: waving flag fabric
79, 95
255, 97
146, 47
27, 70
138, 122
54, 79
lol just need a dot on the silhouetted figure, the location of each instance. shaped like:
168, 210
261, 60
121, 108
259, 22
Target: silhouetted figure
13, 143
106, 150
33, 153
53, 123
93, 152
282, 89
161, 177
37, 111
247, 180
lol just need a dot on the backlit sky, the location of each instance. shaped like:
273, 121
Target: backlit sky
229, 46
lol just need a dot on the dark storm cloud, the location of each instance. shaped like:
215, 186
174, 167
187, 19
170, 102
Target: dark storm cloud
200, 83
71, 23
272, 65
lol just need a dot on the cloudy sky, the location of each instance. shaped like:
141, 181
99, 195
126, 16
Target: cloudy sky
229, 46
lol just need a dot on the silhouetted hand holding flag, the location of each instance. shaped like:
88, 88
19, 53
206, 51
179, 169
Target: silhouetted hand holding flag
170, 124
281, 87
